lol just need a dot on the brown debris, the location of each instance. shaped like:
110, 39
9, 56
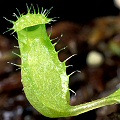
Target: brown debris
11, 83
104, 28
92, 83
95, 76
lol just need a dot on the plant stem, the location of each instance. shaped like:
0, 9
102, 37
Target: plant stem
82, 108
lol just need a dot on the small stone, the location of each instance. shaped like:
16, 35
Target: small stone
94, 59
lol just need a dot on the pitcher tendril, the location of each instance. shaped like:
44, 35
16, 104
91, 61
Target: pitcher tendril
44, 77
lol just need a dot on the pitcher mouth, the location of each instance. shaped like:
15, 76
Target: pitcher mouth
29, 20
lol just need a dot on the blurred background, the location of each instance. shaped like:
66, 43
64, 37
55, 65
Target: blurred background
77, 11
91, 29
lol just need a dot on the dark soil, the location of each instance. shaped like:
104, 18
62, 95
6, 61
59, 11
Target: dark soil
97, 79
89, 27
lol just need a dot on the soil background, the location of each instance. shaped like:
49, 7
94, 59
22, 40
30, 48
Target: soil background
87, 27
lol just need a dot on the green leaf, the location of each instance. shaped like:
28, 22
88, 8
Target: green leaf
44, 77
